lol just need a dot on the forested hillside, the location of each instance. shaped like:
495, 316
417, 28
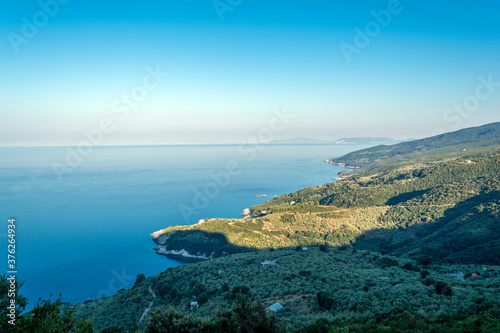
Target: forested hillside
370, 158
348, 287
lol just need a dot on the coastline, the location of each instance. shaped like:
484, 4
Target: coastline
181, 250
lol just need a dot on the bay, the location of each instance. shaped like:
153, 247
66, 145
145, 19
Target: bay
86, 233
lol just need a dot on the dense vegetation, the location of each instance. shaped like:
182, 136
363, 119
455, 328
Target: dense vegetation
46, 316
341, 285
474, 137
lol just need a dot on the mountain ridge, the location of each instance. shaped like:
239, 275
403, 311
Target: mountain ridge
473, 137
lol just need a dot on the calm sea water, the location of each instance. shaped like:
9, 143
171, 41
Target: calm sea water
87, 234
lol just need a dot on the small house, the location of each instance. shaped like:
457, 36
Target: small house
275, 307
268, 263
194, 305
459, 275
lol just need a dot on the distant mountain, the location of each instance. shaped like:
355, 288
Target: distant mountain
342, 141
301, 140
474, 137
366, 141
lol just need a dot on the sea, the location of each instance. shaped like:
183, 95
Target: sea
84, 222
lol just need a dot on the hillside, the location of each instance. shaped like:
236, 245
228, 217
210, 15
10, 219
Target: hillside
447, 209
341, 286
370, 158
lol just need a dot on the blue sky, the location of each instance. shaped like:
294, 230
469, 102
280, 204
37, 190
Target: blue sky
226, 76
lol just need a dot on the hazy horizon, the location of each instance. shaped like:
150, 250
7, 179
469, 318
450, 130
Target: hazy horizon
202, 71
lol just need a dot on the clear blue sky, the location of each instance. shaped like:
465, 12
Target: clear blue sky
225, 76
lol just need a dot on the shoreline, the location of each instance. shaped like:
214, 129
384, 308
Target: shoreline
161, 236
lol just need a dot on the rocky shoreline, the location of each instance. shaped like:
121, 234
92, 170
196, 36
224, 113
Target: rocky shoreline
343, 165
179, 254
160, 238
192, 244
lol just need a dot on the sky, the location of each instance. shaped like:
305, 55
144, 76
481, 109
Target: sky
155, 72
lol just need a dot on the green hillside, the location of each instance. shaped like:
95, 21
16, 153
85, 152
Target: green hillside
442, 208
370, 158
339, 285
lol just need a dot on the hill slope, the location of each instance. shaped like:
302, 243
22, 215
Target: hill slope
440, 208
474, 137
341, 285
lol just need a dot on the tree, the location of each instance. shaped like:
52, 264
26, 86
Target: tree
443, 288
239, 290
251, 316
5, 303
46, 317
173, 321
424, 260
325, 300
113, 329
140, 278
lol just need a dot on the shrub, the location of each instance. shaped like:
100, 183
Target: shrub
140, 278
305, 273
443, 288
239, 290
424, 260
325, 300
389, 262
428, 281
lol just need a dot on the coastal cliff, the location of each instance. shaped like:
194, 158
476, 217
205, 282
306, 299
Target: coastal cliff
193, 244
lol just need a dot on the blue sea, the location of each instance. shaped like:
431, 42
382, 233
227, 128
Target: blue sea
86, 234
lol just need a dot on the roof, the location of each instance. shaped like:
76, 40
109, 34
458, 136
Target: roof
458, 275
275, 307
